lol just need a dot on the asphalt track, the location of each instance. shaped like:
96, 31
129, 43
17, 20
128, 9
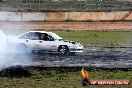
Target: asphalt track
96, 57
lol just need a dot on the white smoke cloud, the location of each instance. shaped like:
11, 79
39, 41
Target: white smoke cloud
2, 36
9, 54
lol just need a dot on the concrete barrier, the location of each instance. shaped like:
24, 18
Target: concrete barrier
102, 16
79, 16
10, 16
129, 17
66, 16
32, 16
56, 16
120, 15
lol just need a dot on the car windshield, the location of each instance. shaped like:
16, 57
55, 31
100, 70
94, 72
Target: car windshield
56, 37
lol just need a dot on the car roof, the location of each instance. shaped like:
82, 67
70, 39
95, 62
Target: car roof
39, 31
34, 31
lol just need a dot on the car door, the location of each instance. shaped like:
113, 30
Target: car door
31, 39
34, 41
47, 42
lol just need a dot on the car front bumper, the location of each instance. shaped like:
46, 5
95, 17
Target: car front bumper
78, 49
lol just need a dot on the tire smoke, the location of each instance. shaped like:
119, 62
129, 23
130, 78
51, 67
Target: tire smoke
12, 53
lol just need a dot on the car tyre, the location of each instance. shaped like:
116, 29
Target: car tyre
63, 50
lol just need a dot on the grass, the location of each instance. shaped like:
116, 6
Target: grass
98, 39
88, 5
63, 78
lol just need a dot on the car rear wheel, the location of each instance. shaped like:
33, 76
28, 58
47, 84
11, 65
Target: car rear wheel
63, 50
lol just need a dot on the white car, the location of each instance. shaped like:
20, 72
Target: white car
48, 41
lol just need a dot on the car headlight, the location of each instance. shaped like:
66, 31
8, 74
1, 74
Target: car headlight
78, 45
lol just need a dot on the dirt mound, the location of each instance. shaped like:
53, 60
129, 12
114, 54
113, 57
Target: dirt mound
15, 71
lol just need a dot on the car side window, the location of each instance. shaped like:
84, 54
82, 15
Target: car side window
34, 36
25, 36
30, 35
45, 37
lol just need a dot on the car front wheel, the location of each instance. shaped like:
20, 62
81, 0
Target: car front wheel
63, 50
